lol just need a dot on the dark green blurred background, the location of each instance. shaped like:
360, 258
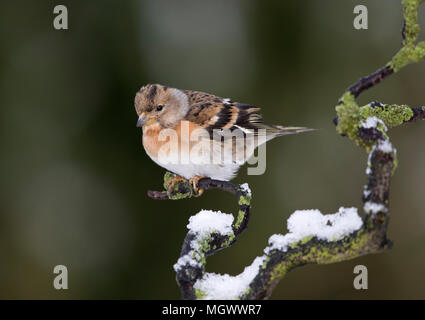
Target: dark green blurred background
74, 174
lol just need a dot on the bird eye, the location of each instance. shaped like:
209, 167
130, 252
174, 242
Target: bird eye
159, 108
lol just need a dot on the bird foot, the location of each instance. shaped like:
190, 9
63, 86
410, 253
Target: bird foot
194, 183
174, 181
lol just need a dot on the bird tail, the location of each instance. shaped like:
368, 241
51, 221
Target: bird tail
277, 131
281, 130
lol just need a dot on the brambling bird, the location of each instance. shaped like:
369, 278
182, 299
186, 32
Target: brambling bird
186, 112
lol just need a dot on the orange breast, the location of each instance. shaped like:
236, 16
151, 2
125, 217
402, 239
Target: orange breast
150, 140
155, 137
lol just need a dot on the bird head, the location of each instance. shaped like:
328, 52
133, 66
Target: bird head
158, 104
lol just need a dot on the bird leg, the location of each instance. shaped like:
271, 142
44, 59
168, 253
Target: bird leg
194, 183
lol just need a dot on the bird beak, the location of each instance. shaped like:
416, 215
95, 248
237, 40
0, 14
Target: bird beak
142, 120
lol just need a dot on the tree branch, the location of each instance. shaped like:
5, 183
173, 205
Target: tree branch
198, 245
370, 81
326, 238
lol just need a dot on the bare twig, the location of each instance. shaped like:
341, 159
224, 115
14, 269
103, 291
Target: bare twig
370, 81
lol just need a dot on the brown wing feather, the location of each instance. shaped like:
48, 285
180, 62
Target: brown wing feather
213, 112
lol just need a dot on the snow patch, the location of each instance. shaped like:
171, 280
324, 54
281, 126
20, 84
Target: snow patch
305, 223
366, 193
372, 122
208, 221
385, 146
226, 287
372, 207
202, 224
186, 260
245, 188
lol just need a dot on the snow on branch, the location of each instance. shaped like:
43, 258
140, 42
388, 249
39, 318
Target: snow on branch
313, 238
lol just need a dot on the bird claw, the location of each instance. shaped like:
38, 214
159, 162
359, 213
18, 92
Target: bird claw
194, 183
173, 185
173, 182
